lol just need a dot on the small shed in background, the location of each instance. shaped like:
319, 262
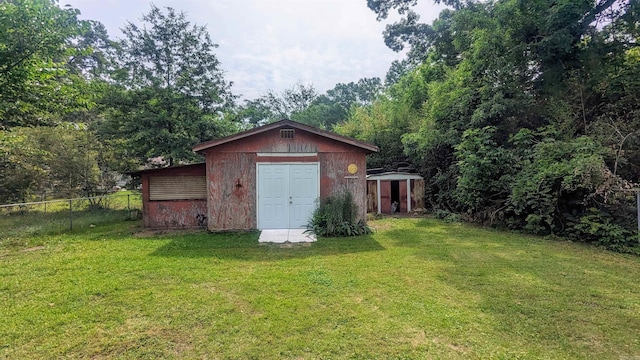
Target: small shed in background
406, 190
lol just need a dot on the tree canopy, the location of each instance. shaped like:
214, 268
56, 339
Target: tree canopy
169, 92
520, 113
38, 42
76, 105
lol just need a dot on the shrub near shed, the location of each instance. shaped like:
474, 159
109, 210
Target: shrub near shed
336, 216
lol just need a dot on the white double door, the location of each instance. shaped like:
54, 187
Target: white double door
287, 195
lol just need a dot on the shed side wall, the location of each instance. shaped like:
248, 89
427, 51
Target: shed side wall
176, 214
173, 214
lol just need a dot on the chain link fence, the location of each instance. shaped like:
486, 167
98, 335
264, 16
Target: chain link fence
60, 215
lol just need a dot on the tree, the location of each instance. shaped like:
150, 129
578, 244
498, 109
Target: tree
333, 107
170, 93
20, 175
37, 40
272, 106
94, 52
65, 159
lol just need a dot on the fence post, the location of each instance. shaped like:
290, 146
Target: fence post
638, 208
70, 215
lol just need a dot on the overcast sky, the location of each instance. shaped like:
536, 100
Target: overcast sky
275, 44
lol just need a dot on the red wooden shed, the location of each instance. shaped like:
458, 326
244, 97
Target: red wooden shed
268, 177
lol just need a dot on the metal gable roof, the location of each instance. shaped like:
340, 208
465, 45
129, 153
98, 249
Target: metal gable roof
285, 124
394, 175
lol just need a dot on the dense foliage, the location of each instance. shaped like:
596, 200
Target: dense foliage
519, 113
76, 107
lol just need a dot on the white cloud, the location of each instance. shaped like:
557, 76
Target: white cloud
273, 44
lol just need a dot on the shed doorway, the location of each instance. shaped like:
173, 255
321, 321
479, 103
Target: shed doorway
395, 196
286, 194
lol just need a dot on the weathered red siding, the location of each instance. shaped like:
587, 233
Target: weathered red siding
385, 197
231, 172
231, 177
334, 176
176, 214
403, 197
173, 214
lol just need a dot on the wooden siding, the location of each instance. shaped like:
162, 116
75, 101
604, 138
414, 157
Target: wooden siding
385, 197
417, 194
403, 206
372, 196
284, 125
176, 214
177, 187
231, 173
334, 176
232, 191
271, 142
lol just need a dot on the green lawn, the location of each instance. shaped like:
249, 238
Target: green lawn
417, 288
27, 224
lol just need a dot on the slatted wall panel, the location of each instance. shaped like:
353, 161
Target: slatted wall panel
177, 187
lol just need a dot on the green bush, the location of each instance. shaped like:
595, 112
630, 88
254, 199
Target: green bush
599, 227
447, 216
337, 215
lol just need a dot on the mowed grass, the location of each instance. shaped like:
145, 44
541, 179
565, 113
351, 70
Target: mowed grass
417, 288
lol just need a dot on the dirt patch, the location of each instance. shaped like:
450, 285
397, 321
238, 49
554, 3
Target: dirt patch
35, 248
451, 346
156, 233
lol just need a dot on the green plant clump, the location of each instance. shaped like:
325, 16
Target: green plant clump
336, 216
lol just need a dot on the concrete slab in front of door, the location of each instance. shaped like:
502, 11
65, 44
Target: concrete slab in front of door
285, 235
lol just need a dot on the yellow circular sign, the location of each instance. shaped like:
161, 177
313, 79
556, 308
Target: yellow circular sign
353, 168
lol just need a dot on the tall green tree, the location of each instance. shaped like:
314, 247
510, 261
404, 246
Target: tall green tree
170, 93
38, 39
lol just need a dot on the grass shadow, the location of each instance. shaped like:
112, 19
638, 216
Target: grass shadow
245, 246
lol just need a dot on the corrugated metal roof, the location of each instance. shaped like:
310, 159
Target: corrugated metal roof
393, 176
